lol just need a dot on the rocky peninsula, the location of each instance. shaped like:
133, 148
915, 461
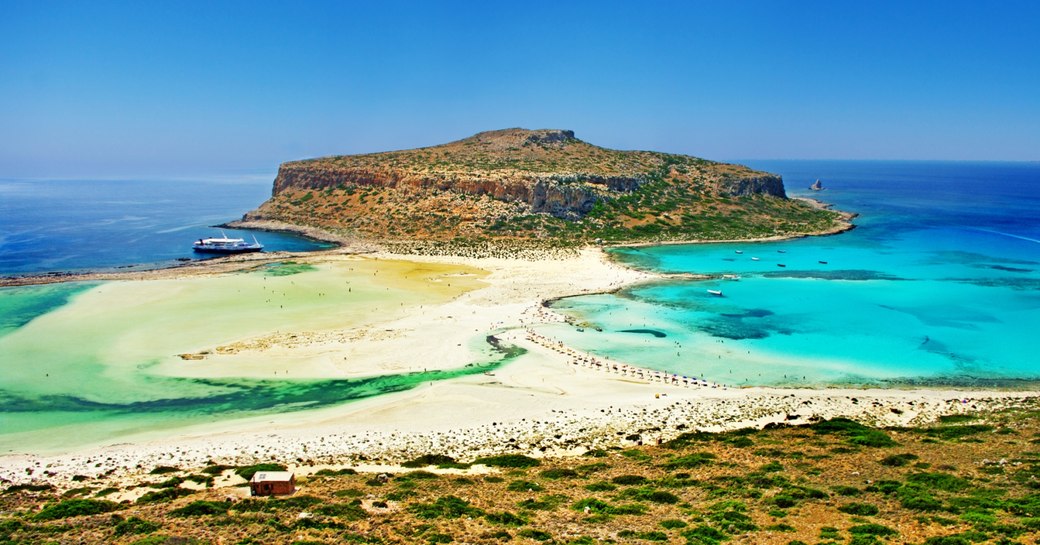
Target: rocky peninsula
534, 185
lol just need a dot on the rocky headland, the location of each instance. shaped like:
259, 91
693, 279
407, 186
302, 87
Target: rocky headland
518, 184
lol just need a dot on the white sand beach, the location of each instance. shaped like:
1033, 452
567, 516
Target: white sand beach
550, 401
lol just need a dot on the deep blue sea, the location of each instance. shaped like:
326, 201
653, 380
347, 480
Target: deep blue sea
76, 225
939, 284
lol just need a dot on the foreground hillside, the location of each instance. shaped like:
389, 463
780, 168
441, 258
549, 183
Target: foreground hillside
964, 480
542, 184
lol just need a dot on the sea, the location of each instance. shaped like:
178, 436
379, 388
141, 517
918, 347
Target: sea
937, 285
89, 225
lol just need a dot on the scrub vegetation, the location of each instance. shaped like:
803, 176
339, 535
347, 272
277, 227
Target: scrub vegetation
832, 482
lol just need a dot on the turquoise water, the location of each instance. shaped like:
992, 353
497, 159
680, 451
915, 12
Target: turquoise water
938, 284
76, 370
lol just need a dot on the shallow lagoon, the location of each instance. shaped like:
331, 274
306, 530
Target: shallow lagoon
94, 362
938, 284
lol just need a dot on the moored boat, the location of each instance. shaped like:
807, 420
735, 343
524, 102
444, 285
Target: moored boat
731, 277
225, 245
716, 293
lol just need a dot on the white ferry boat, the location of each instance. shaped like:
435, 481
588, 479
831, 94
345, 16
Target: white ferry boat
225, 245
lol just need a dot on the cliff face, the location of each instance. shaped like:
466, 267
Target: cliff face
746, 186
562, 195
517, 183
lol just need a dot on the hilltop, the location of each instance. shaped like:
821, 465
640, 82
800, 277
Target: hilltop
518, 184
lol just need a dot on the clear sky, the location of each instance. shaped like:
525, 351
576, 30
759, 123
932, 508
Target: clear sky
141, 88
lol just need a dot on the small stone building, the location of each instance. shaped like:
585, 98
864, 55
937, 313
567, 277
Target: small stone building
272, 483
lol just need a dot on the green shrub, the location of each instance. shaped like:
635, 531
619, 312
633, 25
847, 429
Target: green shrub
629, 479
898, 460
32, 487
949, 433
524, 486
600, 487
335, 472
418, 475
872, 438
216, 469
163, 470
661, 496
135, 525
600, 507
856, 433
919, 500
939, 481
537, 535
450, 507
508, 460
505, 518
75, 508
704, 535
784, 501
559, 473
691, 461
859, 509
672, 524
947, 540
247, 472
592, 468
165, 494
201, 508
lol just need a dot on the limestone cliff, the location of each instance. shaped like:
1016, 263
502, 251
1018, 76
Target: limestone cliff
527, 183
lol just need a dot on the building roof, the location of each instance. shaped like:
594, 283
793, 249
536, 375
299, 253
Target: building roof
262, 476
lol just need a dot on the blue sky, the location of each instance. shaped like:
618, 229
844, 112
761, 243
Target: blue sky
197, 88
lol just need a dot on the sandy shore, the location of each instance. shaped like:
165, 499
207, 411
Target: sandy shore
550, 401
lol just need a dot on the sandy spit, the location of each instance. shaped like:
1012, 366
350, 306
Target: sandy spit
549, 402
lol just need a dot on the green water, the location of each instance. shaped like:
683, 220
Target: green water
82, 362
19, 306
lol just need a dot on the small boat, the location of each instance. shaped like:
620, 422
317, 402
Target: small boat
780, 265
731, 277
225, 245
754, 259
739, 251
817, 185
716, 293
781, 251
823, 262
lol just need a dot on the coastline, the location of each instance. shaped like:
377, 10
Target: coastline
548, 402
545, 403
